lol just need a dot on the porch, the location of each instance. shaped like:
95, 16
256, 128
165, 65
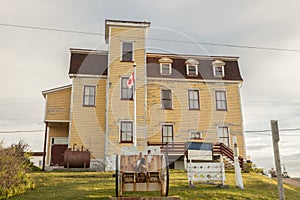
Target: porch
178, 151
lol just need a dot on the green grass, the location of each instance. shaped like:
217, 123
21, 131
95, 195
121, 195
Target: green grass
100, 185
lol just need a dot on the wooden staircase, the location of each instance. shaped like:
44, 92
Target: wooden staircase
180, 149
228, 156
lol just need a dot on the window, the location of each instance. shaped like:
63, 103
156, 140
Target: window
221, 102
219, 71
192, 67
196, 135
167, 134
192, 70
89, 95
126, 132
127, 51
218, 68
165, 68
126, 93
166, 99
223, 133
193, 99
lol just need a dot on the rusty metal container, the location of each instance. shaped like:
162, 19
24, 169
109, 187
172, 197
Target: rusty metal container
77, 159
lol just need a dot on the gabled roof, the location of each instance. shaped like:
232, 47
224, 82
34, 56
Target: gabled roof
88, 62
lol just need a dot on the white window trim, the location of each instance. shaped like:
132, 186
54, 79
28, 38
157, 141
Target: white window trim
120, 123
121, 88
121, 50
220, 90
228, 128
161, 104
223, 72
83, 94
167, 124
188, 100
188, 71
196, 131
170, 68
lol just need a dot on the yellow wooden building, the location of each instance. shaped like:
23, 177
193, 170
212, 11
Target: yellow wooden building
179, 99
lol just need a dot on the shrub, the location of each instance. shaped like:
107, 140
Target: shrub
14, 168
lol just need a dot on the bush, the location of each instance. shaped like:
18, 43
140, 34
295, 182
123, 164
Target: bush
14, 168
251, 167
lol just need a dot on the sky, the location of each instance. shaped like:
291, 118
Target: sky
33, 60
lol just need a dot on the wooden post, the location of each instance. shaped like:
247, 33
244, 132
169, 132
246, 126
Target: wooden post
45, 144
275, 136
237, 169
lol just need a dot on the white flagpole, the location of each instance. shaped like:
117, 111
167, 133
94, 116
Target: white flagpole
134, 105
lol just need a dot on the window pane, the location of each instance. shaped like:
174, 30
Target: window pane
166, 94
167, 133
91, 90
221, 102
129, 128
127, 51
123, 136
165, 68
193, 99
127, 46
91, 100
126, 132
86, 90
126, 93
166, 99
167, 104
192, 70
218, 71
89, 95
225, 132
164, 130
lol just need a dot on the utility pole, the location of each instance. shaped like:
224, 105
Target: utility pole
275, 136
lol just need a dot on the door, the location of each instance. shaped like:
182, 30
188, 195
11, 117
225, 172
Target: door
223, 134
57, 154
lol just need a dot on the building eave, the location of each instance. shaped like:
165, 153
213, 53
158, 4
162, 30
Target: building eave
187, 56
45, 92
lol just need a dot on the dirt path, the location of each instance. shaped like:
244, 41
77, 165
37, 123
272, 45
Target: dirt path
292, 181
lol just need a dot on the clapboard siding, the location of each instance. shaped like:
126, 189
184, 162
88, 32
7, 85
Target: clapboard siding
206, 119
58, 105
123, 109
88, 123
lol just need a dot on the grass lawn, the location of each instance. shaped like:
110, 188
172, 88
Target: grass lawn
101, 185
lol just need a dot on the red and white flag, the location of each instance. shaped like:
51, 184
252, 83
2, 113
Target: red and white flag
130, 81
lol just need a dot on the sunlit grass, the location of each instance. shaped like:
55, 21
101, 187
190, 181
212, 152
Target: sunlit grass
101, 185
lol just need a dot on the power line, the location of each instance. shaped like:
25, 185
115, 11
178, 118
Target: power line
155, 39
27, 131
229, 45
268, 130
49, 29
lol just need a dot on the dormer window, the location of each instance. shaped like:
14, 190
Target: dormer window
191, 67
165, 69
219, 71
192, 70
165, 66
218, 68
